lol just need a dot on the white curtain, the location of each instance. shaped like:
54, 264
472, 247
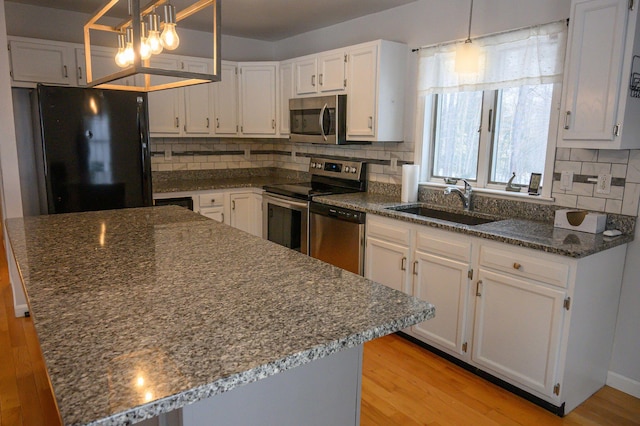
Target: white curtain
533, 55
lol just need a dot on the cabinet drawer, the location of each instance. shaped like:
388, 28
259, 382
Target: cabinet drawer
388, 230
210, 200
445, 244
526, 265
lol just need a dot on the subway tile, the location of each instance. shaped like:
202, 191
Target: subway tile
179, 166
564, 200
595, 169
619, 156
193, 166
579, 154
617, 192
631, 198
563, 154
619, 170
165, 167
613, 206
582, 189
633, 169
590, 203
568, 166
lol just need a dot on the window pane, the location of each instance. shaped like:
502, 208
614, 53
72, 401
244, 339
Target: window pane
522, 127
455, 146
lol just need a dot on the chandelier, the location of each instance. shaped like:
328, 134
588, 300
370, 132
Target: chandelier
145, 34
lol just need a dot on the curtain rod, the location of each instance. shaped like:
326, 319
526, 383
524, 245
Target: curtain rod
446, 43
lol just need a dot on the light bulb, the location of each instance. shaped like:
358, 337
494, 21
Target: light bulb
467, 58
154, 41
170, 39
145, 50
129, 54
121, 60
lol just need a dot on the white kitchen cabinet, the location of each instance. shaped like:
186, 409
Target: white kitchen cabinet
225, 101
603, 38
213, 205
538, 321
246, 212
102, 64
442, 274
286, 93
258, 98
41, 61
375, 89
183, 111
321, 73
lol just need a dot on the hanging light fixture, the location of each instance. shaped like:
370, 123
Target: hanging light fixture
170, 39
468, 55
139, 38
155, 43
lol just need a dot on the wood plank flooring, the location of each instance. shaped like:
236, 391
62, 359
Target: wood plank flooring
403, 384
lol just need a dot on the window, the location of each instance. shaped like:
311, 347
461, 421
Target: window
485, 127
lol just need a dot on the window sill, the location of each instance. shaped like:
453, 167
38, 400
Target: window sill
499, 193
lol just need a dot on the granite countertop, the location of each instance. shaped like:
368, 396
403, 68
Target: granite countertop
142, 311
190, 185
519, 232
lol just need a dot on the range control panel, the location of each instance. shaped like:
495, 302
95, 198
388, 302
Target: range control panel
343, 169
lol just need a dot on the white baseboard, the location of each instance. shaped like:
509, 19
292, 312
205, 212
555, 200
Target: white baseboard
624, 384
21, 310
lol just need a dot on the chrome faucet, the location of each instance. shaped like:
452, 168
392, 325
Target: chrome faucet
464, 196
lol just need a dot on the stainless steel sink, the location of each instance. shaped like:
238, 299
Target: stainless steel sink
462, 218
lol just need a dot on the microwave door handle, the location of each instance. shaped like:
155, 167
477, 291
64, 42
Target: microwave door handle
324, 108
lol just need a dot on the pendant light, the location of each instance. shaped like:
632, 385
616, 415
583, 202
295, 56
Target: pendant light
170, 39
121, 60
468, 55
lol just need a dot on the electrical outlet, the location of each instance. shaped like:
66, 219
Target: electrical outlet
603, 186
566, 180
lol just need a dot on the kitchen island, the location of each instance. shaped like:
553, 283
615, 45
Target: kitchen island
156, 311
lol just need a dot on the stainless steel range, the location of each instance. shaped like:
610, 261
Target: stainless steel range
286, 207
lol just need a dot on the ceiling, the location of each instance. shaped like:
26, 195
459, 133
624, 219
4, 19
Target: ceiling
268, 20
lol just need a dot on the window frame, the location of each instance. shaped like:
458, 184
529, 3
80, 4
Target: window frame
427, 119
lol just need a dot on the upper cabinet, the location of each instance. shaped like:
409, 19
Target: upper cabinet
225, 101
286, 93
375, 91
597, 110
102, 64
41, 61
321, 73
258, 98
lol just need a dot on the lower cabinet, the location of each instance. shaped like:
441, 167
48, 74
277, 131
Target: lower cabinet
246, 212
541, 322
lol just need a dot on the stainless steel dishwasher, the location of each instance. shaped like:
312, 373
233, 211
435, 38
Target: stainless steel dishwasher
336, 236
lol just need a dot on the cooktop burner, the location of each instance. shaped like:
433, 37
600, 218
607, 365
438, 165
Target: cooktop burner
327, 177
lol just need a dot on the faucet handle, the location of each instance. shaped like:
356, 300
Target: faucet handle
467, 185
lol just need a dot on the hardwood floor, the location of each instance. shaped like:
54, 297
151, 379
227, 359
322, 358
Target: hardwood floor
402, 384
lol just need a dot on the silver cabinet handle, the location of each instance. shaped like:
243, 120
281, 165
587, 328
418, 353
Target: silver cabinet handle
313, 80
403, 264
233, 204
320, 80
273, 124
217, 123
222, 214
177, 122
371, 122
415, 267
207, 122
64, 71
567, 120
478, 284
517, 266
79, 73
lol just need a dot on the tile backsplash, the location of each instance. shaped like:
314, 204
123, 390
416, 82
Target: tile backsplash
385, 162
586, 165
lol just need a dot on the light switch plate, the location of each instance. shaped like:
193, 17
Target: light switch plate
566, 180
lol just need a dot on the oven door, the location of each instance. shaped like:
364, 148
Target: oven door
285, 222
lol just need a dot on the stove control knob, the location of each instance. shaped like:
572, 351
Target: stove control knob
353, 170
347, 169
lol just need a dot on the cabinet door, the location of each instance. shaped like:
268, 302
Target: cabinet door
41, 62
102, 64
225, 101
286, 93
197, 105
331, 72
216, 213
258, 99
386, 263
444, 283
593, 70
164, 105
305, 76
517, 330
361, 87
246, 212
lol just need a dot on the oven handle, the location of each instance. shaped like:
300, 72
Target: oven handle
286, 201
321, 121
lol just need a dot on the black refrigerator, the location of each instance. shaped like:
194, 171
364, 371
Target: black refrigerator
91, 149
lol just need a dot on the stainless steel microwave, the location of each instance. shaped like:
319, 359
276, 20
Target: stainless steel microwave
319, 119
